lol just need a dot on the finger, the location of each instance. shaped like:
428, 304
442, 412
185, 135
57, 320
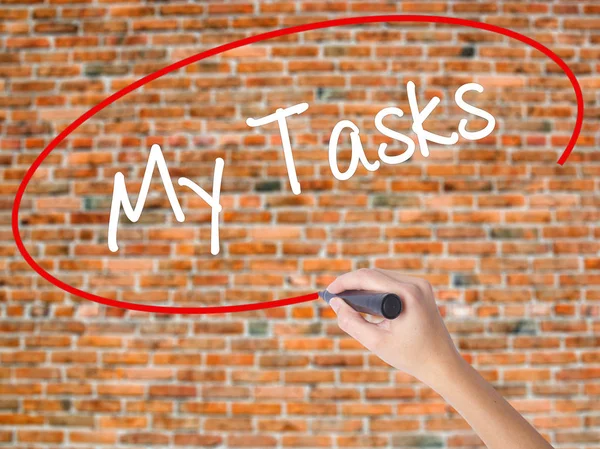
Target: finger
363, 279
366, 279
373, 319
352, 322
419, 282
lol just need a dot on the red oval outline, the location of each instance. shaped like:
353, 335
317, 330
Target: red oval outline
220, 49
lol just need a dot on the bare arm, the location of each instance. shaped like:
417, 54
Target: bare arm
418, 343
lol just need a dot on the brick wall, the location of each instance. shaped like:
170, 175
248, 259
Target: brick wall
507, 237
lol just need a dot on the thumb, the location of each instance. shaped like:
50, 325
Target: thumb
352, 322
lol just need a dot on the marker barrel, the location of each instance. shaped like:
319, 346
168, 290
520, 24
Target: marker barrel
387, 305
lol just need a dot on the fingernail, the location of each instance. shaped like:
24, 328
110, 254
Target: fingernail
335, 304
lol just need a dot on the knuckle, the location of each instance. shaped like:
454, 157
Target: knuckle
413, 291
424, 285
364, 272
429, 289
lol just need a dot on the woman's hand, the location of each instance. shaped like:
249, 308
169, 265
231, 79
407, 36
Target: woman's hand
416, 342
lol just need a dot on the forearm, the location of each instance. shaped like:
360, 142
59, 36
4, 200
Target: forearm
494, 420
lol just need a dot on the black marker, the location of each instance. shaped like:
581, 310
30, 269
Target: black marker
387, 305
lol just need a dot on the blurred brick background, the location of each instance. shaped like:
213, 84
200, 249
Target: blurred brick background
507, 237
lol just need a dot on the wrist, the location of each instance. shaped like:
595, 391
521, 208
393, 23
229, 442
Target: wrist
446, 371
